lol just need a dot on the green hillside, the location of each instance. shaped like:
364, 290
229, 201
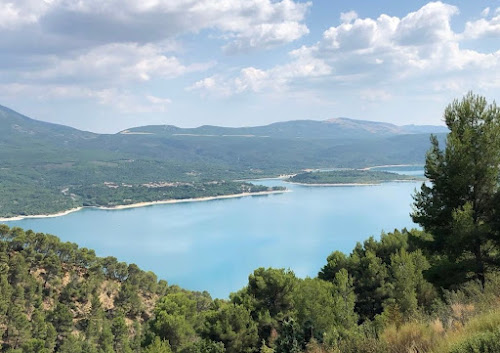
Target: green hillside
41, 162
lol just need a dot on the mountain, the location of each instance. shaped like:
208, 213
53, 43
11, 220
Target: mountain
339, 128
46, 168
14, 125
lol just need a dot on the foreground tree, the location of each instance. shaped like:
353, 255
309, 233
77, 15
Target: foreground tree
457, 205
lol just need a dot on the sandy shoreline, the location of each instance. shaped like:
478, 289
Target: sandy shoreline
199, 199
59, 214
144, 204
357, 184
336, 184
393, 165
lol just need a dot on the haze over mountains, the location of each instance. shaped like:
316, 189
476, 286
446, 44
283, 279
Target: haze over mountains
338, 128
344, 128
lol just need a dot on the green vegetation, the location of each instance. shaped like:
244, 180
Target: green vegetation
57, 297
434, 290
461, 206
349, 176
111, 194
40, 160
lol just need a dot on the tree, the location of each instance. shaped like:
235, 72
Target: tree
269, 297
204, 346
175, 315
62, 319
158, 346
232, 325
289, 338
120, 332
457, 205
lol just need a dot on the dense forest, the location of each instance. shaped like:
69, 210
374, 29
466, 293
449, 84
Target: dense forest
431, 290
349, 176
41, 162
56, 297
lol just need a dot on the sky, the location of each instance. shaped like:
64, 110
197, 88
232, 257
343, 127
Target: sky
107, 65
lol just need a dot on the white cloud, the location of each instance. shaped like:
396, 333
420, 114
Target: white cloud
483, 27
245, 24
348, 17
485, 12
266, 35
385, 51
19, 13
251, 79
111, 64
123, 101
102, 44
129, 103
430, 24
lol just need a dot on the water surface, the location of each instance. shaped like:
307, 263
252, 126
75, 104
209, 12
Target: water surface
215, 245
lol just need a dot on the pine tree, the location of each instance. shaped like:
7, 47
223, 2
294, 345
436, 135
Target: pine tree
457, 206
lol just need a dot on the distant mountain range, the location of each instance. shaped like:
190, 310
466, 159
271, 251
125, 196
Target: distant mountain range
46, 159
339, 128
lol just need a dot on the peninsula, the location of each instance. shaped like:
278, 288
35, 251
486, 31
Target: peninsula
349, 177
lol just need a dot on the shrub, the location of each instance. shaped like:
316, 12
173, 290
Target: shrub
411, 337
483, 342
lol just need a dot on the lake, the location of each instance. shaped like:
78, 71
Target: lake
215, 245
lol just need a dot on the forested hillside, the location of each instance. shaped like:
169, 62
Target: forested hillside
431, 290
45, 167
57, 297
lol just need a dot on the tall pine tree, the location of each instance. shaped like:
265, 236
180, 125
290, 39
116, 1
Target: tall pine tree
457, 204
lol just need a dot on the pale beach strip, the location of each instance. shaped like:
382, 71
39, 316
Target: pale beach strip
198, 199
58, 214
144, 204
392, 165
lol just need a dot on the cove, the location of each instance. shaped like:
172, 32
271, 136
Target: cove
215, 245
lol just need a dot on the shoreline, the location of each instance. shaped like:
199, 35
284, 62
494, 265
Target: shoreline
336, 184
51, 215
356, 184
145, 204
392, 165
282, 177
198, 199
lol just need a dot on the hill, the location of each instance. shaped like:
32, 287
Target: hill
57, 297
47, 168
343, 129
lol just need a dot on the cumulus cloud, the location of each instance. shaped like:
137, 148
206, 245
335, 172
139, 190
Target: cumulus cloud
251, 79
114, 63
379, 51
244, 23
483, 27
107, 44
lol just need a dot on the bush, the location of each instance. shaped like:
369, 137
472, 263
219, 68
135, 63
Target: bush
484, 342
411, 337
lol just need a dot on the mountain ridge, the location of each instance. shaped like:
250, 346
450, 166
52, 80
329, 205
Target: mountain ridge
330, 128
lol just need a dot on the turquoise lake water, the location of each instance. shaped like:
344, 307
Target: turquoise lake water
215, 245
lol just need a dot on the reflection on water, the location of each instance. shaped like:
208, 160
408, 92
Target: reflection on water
215, 245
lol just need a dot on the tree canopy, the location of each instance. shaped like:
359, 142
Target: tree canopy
459, 205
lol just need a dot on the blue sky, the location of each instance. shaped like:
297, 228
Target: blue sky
106, 65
